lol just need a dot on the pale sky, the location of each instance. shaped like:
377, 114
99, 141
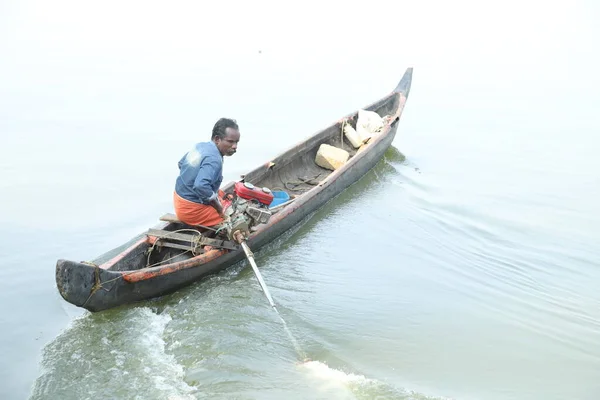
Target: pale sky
83, 74
422, 31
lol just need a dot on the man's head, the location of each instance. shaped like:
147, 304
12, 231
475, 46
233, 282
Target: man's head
226, 136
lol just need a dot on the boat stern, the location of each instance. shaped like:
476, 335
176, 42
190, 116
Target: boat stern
76, 281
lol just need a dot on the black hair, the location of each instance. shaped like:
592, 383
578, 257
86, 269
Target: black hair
221, 125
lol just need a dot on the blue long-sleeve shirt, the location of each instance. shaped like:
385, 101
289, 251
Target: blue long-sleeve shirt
200, 173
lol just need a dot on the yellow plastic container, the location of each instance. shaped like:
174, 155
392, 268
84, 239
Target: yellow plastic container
353, 136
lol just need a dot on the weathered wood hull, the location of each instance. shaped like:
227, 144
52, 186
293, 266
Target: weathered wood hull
124, 279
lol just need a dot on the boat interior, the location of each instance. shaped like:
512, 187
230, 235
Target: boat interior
295, 171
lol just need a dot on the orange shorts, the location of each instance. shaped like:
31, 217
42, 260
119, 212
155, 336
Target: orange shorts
194, 213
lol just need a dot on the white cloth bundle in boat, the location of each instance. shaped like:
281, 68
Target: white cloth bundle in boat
369, 123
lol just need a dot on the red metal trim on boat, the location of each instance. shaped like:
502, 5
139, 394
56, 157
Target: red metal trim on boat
149, 273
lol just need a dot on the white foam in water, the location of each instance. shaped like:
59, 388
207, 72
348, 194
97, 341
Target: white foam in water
333, 383
167, 374
323, 371
342, 385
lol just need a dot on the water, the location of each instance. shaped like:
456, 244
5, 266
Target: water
465, 265
265, 289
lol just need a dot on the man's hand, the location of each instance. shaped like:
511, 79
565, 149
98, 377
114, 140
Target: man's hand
217, 205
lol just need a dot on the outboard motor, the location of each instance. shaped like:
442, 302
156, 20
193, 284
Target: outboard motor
249, 208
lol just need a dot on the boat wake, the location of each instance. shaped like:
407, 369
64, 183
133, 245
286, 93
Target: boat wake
119, 354
336, 384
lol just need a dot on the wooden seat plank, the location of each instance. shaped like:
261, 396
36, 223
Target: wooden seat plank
190, 238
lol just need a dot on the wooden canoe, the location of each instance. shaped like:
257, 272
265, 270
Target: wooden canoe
127, 274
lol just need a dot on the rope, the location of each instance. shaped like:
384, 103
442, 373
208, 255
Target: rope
99, 285
303, 181
219, 229
167, 259
193, 246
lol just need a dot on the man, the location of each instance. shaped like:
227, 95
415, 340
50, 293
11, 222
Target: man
197, 195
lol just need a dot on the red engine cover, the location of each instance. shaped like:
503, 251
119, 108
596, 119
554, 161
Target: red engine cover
249, 192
